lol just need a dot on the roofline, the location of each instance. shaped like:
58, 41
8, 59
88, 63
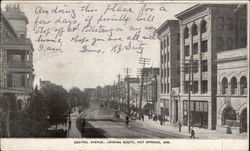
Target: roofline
181, 14
166, 23
11, 27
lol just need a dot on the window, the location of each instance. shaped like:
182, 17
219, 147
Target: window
161, 88
233, 85
221, 23
229, 44
195, 48
186, 50
164, 87
229, 24
15, 56
167, 41
204, 46
186, 68
164, 43
16, 80
186, 85
178, 39
204, 87
195, 87
9, 80
243, 85
204, 66
168, 88
224, 86
161, 59
194, 30
178, 70
186, 33
165, 72
178, 55
165, 58
195, 66
203, 26
168, 56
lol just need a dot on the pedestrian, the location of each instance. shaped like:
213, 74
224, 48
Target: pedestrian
161, 119
179, 123
127, 120
192, 133
142, 116
69, 124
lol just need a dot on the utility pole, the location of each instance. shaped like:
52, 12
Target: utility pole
189, 66
69, 123
119, 89
143, 62
128, 70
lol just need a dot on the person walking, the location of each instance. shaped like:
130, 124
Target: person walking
142, 117
69, 124
127, 120
192, 133
179, 124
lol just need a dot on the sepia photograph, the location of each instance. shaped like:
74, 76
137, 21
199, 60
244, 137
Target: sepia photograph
114, 70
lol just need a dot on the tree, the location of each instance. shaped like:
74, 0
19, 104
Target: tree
56, 103
31, 122
77, 97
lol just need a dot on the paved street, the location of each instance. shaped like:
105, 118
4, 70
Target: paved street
101, 118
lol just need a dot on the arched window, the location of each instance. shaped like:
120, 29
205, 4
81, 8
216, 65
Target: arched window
194, 30
233, 85
203, 26
186, 33
243, 85
229, 115
224, 86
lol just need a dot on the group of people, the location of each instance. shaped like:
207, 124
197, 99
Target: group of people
159, 117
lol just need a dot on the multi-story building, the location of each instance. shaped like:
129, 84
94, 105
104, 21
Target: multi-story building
169, 35
232, 71
149, 97
16, 56
205, 30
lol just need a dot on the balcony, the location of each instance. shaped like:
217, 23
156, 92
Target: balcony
18, 64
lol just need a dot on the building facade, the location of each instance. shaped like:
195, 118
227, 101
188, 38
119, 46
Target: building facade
232, 76
150, 89
205, 30
16, 58
169, 34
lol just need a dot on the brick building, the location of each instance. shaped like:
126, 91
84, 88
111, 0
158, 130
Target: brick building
205, 30
169, 68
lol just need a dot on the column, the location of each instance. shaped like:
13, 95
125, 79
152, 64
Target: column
200, 58
182, 74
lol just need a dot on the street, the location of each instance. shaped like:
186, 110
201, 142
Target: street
101, 122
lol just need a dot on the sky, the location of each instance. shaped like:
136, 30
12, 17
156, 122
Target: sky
72, 65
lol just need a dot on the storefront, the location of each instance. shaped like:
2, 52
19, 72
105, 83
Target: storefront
199, 113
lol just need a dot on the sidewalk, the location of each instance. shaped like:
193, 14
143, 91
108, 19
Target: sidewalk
73, 131
200, 133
